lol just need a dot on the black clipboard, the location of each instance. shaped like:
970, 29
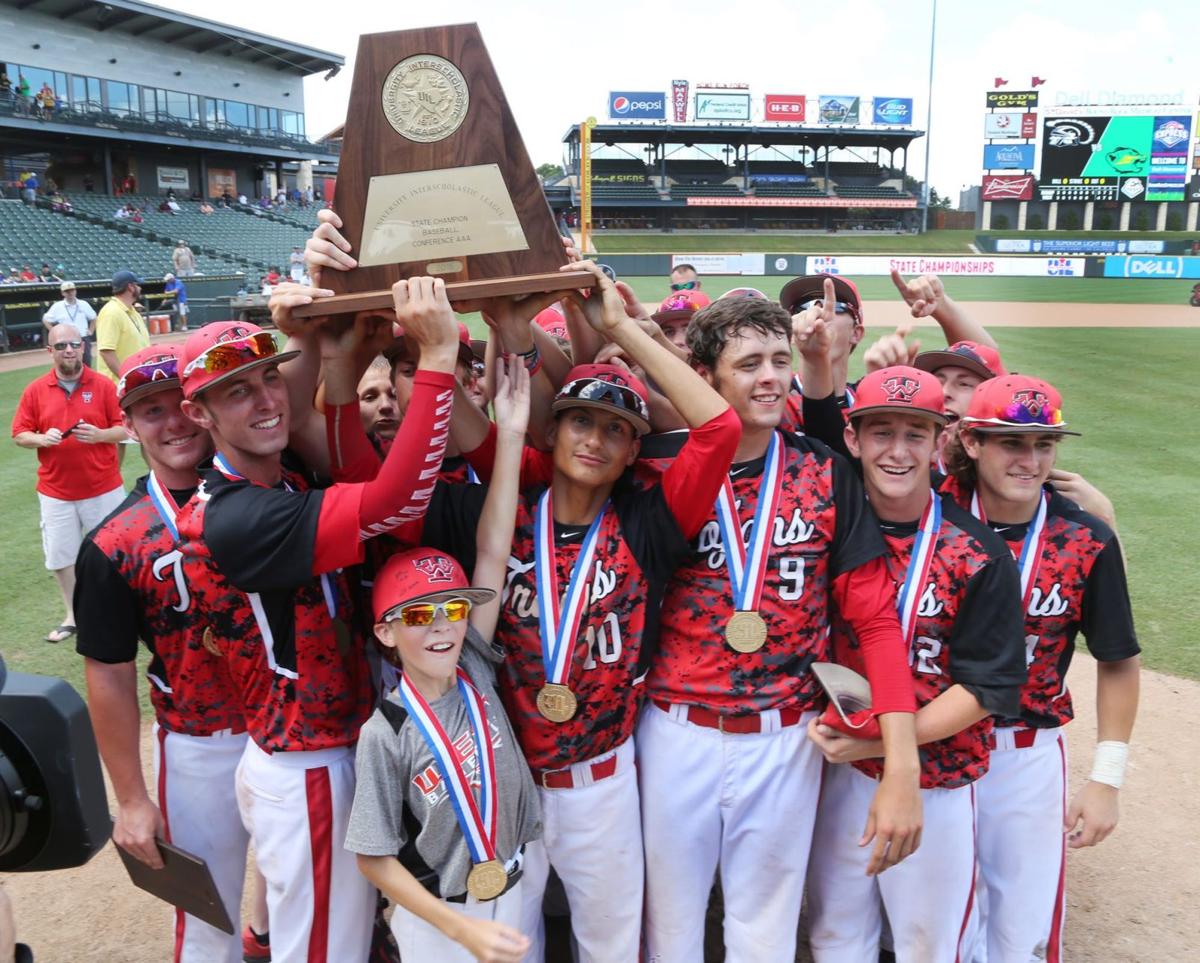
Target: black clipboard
184, 881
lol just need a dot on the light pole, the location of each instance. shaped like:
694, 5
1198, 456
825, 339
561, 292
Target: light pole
928, 120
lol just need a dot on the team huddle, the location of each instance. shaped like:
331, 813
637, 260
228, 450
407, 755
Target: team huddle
438, 619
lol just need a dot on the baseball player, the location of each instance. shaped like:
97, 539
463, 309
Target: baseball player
729, 778
589, 558
282, 610
445, 803
1072, 580
134, 582
957, 593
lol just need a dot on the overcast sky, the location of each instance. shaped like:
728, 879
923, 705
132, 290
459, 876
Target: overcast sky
557, 63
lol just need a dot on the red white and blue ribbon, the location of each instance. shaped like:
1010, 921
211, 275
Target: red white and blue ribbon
908, 599
221, 464
477, 820
164, 504
747, 564
1030, 556
559, 616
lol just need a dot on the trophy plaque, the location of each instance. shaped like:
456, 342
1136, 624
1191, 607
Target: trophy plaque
434, 178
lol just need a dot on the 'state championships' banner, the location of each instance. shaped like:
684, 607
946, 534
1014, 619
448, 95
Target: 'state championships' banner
1009, 124
892, 110
838, 110
637, 105
722, 106
1039, 267
786, 108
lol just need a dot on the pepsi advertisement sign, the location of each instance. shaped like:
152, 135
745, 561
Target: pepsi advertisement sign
637, 105
893, 110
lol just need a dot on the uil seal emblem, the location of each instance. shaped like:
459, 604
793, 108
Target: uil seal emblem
425, 98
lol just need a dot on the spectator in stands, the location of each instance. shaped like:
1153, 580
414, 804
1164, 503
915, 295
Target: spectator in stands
29, 186
684, 278
273, 276
177, 300
6, 88
23, 102
129, 184
168, 206
27, 273
306, 198
47, 276
242, 199
13, 277
46, 102
120, 330
227, 198
205, 207
78, 314
183, 260
296, 264
71, 418
60, 204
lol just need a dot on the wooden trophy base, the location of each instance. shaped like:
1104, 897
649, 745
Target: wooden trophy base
341, 304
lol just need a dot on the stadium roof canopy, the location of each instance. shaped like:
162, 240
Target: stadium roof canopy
160, 26
779, 136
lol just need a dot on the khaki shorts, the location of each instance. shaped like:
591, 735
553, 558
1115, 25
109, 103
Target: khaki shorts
65, 523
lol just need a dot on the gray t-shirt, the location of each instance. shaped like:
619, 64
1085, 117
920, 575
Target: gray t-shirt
401, 807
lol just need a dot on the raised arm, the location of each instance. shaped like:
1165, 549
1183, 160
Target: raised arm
926, 297
493, 538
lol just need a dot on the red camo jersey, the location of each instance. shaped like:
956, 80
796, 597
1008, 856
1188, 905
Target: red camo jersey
1080, 586
823, 529
794, 418
968, 632
302, 687
638, 546
132, 582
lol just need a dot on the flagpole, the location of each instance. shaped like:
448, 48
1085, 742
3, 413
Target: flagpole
928, 119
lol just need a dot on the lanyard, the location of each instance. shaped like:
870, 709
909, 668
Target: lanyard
1030, 556
164, 504
908, 599
747, 564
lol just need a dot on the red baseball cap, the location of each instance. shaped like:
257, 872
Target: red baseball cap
744, 293
145, 372
811, 287
1013, 404
606, 386
680, 305
220, 350
979, 358
466, 347
422, 575
900, 389
551, 321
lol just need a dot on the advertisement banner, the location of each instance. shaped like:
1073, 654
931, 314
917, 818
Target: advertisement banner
1009, 99
892, 110
784, 108
899, 202
221, 180
778, 178
618, 178
176, 177
1008, 157
1076, 245
837, 109
1150, 267
722, 106
723, 263
1037, 267
1007, 187
637, 105
679, 100
1009, 125
1169, 149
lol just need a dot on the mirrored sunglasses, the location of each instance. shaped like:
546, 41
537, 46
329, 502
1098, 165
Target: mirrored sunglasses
424, 613
63, 345
596, 389
839, 307
683, 286
231, 355
144, 374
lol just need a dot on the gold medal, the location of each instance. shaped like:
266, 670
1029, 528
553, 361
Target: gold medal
206, 640
556, 702
487, 880
746, 631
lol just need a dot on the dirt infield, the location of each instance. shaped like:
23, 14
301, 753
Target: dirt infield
1130, 899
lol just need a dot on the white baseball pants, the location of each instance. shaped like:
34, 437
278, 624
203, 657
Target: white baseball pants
296, 806
195, 776
745, 803
929, 896
418, 940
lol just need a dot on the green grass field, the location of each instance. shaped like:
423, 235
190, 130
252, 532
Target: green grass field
932, 242
1131, 392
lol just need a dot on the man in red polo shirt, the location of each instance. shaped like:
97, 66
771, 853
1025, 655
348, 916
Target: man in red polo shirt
71, 417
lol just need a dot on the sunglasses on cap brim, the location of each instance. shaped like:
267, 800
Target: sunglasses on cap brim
231, 355
839, 307
426, 613
164, 369
605, 392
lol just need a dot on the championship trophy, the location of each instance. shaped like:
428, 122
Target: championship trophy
434, 179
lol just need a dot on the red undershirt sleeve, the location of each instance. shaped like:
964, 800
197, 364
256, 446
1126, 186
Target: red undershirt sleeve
401, 491
866, 598
537, 467
691, 482
351, 457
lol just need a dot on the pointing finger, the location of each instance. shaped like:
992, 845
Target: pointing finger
901, 284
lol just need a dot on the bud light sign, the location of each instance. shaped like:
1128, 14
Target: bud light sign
1008, 157
893, 110
637, 105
